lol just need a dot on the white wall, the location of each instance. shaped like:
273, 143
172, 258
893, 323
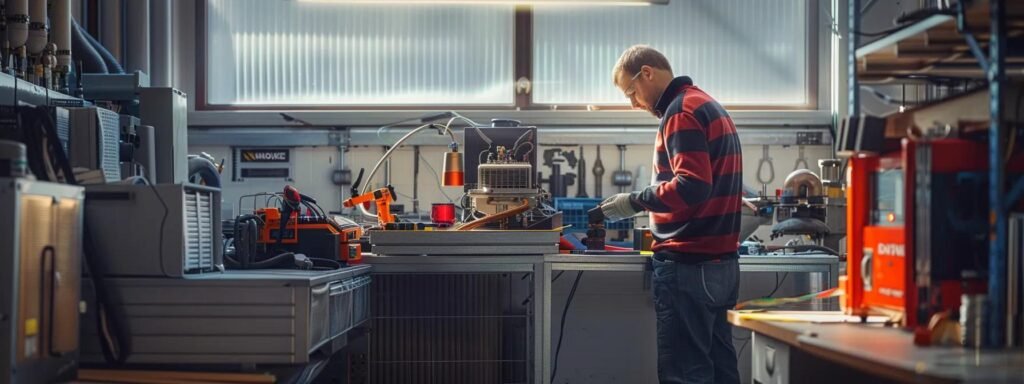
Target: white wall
313, 167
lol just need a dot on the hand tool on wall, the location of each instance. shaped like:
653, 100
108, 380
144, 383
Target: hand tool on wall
765, 160
581, 188
598, 174
558, 183
801, 160
622, 178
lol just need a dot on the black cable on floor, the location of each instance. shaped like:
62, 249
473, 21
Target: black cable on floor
742, 347
561, 327
778, 283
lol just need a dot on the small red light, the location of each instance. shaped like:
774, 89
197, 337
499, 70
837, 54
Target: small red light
453, 179
443, 214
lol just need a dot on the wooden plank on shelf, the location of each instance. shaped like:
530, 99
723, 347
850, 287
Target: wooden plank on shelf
161, 377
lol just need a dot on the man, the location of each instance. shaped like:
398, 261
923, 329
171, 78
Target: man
694, 201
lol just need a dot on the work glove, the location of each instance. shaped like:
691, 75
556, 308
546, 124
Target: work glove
619, 207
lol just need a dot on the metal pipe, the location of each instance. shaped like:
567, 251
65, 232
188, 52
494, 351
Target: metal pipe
137, 36
17, 23
36, 28
160, 43
998, 231
110, 27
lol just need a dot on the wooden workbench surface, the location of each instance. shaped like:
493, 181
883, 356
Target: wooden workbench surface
882, 350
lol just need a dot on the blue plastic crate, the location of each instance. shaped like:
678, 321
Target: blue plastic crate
574, 212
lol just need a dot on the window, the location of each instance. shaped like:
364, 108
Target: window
280, 53
270, 54
743, 52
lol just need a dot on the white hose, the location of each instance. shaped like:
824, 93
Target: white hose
387, 155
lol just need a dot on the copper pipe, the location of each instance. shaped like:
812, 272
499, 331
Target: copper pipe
495, 217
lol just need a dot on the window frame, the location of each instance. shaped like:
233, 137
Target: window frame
522, 67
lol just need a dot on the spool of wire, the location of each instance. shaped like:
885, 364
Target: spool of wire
13, 162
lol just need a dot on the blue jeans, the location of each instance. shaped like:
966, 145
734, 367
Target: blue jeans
694, 337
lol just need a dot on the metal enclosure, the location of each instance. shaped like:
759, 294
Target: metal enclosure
476, 140
161, 230
166, 109
95, 141
235, 317
40, 272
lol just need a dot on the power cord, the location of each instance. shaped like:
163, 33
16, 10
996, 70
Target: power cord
561, 327
163, 223
778, 283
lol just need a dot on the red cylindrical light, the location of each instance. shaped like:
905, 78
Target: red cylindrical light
443, 214
453, 174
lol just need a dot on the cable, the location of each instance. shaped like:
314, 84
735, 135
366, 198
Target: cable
163, 222
437, 178
742, 347
557, 276
778, 283
561, 327
387, 155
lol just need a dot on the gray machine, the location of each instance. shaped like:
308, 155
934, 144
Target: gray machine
40, 270
168, 230
166, 109
254, 317
96, 141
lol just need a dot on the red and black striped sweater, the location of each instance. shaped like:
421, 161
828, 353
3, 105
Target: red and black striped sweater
694, 197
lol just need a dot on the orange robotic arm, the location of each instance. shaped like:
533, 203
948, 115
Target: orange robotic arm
383, 197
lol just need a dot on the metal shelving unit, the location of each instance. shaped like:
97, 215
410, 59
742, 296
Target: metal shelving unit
955, 44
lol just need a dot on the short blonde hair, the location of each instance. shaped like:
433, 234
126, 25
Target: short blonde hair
637, 56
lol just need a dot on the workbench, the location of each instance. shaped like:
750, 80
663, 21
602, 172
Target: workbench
826, 266
817, 346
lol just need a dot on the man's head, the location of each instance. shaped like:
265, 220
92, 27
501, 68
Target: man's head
642, 74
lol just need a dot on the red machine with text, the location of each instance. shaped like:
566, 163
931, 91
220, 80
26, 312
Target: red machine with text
917, 229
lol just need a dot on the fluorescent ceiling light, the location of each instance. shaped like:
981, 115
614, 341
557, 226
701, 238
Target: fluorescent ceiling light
500, 2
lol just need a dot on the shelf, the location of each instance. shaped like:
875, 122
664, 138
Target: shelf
933, 47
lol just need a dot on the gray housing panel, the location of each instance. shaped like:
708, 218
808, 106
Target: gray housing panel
125, 224
261, 317
166, 109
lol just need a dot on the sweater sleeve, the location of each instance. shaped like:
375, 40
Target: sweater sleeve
683, 143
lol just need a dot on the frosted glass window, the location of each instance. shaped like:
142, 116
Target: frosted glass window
277, 52
742, 52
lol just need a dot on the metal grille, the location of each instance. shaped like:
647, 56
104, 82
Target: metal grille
109, 133
199, 247
63, 120
505, 176
464, 328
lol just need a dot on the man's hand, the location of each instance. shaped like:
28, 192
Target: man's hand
618, 207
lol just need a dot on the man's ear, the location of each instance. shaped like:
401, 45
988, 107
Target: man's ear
649, 74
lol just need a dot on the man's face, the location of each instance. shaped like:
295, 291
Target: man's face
639, 89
